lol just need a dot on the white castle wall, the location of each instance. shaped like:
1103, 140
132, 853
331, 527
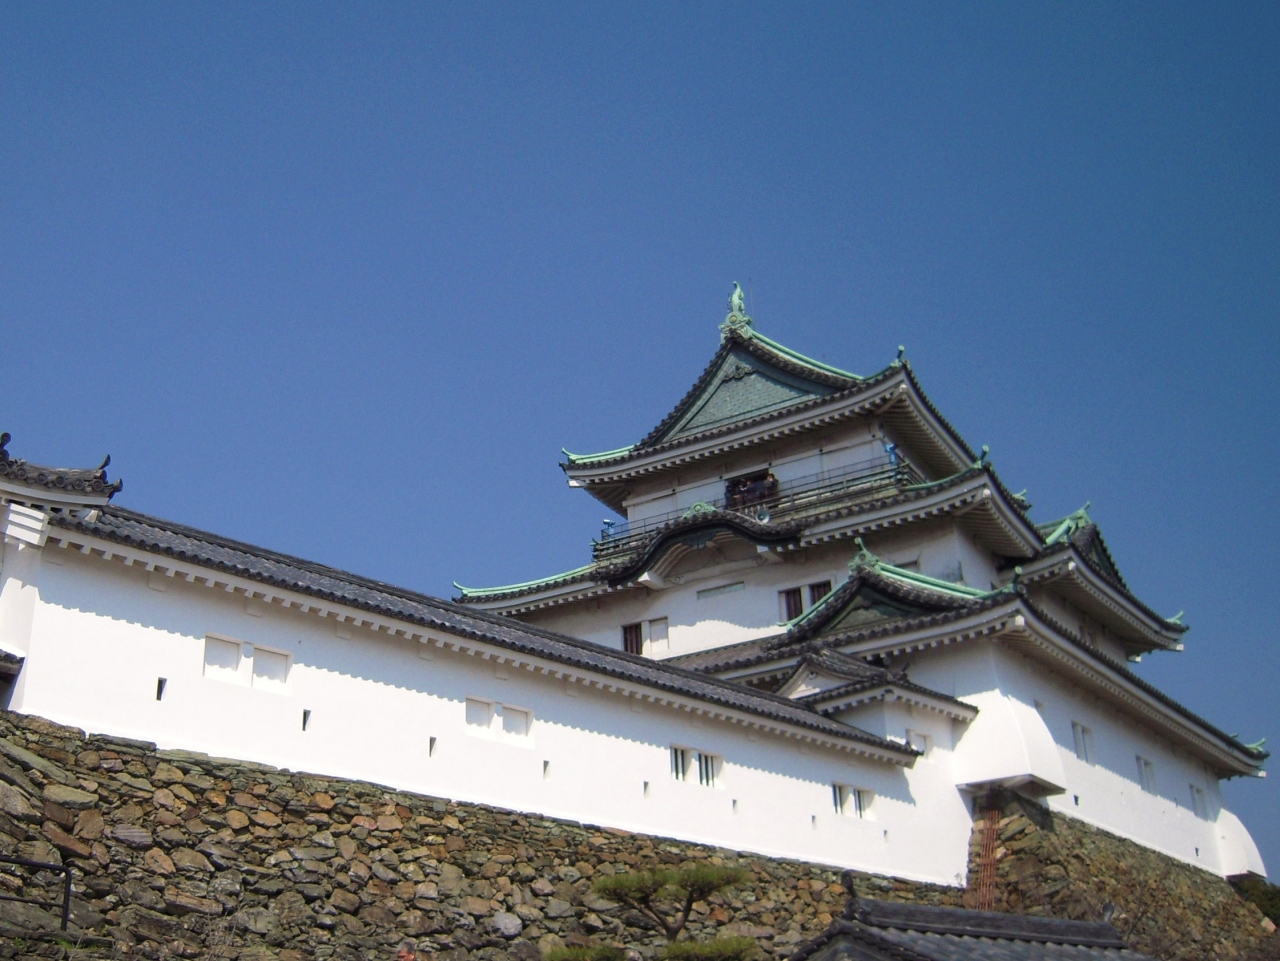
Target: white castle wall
1105, 790
100, 637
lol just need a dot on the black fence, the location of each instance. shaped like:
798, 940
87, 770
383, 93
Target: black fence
63, 906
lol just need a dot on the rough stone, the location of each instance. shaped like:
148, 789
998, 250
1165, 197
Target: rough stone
71, 798
15, 804
506, 925
240, 860
132, 836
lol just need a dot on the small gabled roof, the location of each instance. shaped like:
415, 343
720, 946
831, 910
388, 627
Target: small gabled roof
1078, 528
871, 930
858, 681
876, 591
54, 486
1076, 556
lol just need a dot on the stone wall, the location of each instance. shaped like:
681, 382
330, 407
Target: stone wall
178, 854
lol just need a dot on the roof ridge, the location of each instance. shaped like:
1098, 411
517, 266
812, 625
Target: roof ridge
442, 615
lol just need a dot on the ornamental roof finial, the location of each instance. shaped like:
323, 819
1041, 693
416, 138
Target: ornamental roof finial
737, 319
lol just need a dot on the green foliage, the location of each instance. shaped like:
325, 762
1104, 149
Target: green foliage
595, 952
702, 880
1266, 896
666, 896
634, 886
721, 949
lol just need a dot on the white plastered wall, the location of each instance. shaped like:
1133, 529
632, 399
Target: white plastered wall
1105, 790
102, 633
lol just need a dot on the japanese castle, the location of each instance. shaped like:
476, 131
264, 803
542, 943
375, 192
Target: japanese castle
821, 628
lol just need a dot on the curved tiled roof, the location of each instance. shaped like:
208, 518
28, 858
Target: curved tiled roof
73, 480
202, 549
787, 646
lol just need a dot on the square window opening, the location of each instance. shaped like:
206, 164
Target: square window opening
270, 669
222, 659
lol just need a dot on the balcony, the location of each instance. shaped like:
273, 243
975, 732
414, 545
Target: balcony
765, 499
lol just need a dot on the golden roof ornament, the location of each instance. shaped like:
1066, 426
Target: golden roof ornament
737, 319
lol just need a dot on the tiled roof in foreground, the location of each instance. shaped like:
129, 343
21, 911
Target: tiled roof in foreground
202, 549
871, 930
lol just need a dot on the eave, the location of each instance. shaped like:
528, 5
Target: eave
975, 497
1023, 626
854, 695
1068, 574
893, 395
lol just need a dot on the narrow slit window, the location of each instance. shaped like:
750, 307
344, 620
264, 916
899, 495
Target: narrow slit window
1083, 738
632, 639
1199, 804
306, 719
1146, 774
792, 603
708, 765
680, 763
431, 747
160, 686
546, 770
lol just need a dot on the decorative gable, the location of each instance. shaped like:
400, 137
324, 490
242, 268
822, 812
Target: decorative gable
742, 386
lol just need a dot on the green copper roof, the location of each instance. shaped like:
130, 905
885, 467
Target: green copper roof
479, 593
865, 560
1055, 531
800, 358
603, 455
750, 376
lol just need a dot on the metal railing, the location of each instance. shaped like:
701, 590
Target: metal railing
794, 498
64, 906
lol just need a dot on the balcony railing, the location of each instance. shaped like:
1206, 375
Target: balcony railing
779, 501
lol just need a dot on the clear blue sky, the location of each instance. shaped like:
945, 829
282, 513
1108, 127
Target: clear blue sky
342, 279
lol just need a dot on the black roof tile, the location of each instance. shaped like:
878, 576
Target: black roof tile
197, 547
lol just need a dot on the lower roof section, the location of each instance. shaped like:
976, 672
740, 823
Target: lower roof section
188, 546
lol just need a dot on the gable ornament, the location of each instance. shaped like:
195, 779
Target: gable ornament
737, 319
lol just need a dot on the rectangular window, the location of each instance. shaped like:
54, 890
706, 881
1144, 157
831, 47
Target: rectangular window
1146, 774
497, 721
270, 669
850, 801
708, 769
222, 659
1199, 804
1083, 738
920, 741
680, 763
792, 603
658, 637
515, 722
818, 591
632, 639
